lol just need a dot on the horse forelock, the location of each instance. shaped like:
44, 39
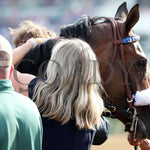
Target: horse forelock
82, 28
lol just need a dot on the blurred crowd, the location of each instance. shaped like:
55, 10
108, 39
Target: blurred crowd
50, 13
54, 13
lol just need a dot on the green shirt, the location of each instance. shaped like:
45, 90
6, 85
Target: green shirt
20, 121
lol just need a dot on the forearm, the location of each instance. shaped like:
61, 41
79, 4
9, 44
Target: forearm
21, 51
36, 58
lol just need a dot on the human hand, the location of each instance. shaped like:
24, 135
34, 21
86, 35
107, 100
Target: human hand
145, 145
132, 141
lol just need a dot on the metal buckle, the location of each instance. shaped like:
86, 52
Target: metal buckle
113, 109
130, 101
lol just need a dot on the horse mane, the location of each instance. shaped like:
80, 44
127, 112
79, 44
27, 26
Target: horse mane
80, 29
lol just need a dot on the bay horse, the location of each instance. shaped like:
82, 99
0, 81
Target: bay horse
123, 64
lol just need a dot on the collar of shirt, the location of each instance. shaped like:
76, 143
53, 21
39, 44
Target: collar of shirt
6, 85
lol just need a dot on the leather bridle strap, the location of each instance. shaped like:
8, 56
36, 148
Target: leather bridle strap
118, 43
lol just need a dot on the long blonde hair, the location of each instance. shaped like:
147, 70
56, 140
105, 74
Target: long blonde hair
73, 85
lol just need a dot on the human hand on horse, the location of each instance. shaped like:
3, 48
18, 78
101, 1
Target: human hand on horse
142, 143
36, 41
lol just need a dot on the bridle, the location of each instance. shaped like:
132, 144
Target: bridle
118, 45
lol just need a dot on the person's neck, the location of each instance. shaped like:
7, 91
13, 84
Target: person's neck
4, 77
4, 74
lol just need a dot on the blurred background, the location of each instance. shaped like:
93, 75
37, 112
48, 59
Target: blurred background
54, 13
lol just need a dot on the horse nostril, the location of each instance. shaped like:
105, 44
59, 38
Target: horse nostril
142, 64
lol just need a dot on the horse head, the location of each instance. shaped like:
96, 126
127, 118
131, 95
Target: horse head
123, 64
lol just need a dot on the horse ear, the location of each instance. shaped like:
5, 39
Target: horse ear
132, 18
122, 11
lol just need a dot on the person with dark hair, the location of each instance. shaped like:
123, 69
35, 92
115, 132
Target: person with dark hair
21, 126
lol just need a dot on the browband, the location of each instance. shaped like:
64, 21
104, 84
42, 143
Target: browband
130, 39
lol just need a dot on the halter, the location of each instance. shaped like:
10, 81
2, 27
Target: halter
118, 44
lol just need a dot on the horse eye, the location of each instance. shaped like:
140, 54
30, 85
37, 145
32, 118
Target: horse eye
142, 64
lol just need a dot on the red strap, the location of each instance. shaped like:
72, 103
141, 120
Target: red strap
119, 43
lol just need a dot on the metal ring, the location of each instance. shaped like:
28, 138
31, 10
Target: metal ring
130, 101
113, 109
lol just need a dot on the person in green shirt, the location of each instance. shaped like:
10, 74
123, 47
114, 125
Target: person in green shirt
20, 121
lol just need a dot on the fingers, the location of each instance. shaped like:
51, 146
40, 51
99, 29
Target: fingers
133, 142
144, 145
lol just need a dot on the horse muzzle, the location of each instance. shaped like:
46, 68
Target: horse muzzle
141, 127
142, 106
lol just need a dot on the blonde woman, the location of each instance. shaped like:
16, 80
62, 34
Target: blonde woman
69, 99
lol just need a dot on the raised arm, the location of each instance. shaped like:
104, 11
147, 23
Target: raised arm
20, 52
36, 58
